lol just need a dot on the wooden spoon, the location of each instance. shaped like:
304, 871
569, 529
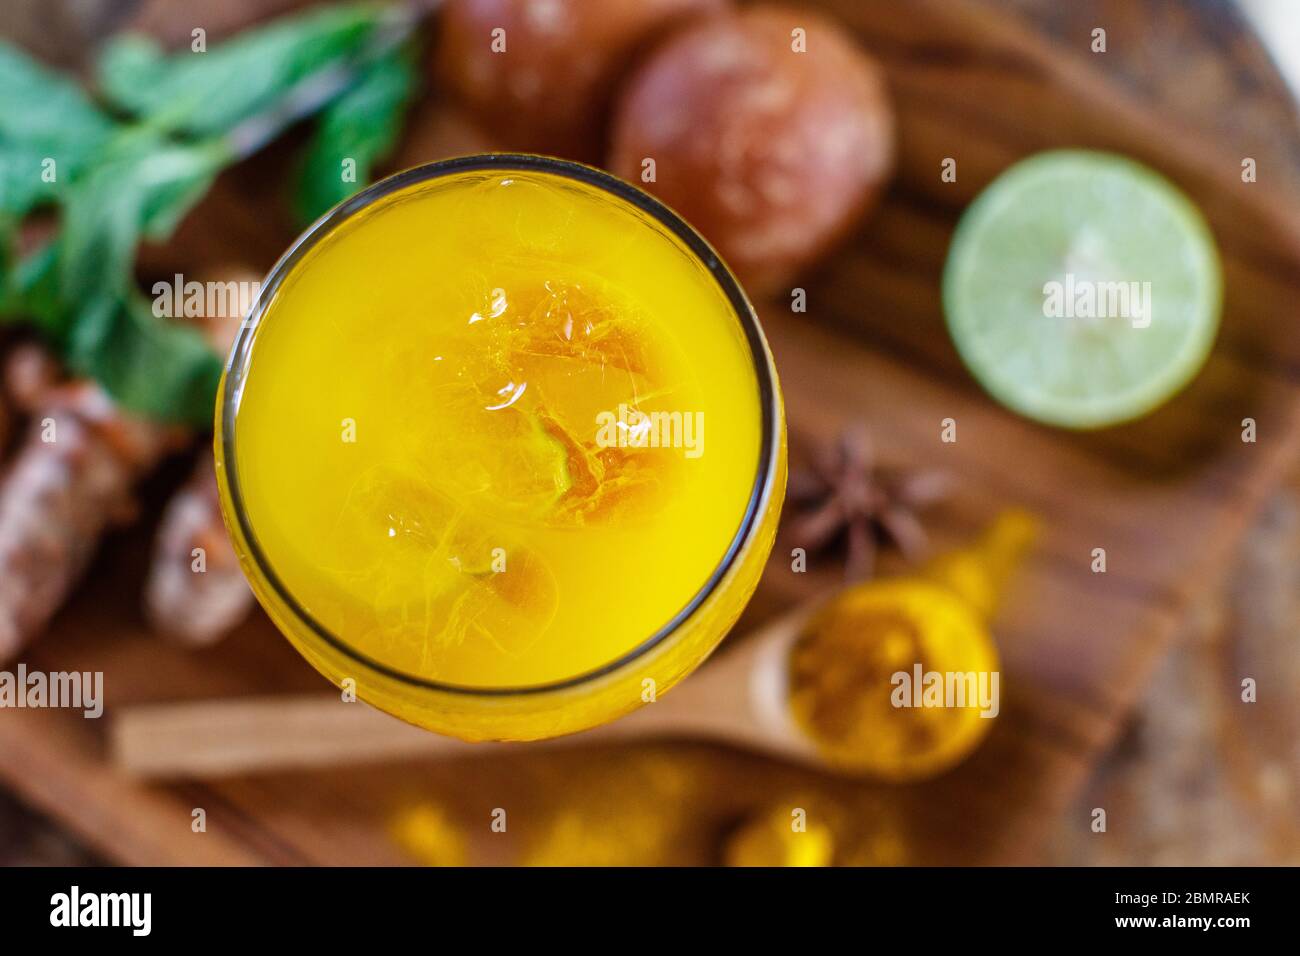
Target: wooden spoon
739, 698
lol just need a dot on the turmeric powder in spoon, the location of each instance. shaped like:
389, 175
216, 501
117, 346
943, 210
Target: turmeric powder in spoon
899, 678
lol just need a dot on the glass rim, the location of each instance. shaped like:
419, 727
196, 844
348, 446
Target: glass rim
237, 366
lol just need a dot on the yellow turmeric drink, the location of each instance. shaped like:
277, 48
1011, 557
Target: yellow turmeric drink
502, 446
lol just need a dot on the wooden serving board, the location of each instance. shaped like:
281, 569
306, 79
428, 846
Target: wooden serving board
1182, 87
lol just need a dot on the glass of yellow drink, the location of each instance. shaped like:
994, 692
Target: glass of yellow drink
501, 447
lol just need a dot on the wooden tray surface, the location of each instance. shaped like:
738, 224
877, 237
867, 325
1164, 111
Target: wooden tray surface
1184, 88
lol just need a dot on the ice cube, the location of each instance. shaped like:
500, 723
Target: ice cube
434, 576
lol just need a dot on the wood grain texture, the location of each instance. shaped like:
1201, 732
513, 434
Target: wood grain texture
1167, 496
1200, 777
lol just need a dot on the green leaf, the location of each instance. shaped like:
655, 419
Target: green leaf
43, 116
80, 291
362, 126
8, 238
206, 94
149, 365
33, 290
146, 187
192, 115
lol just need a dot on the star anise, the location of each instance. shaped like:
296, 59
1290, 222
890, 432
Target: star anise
845, 496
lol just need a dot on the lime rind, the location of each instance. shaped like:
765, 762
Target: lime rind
1015, 236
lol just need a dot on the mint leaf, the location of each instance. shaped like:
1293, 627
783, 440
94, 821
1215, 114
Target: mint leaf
207, 94
43, 115
362, 126
79, 289
152, 366
33, 290
145, 186
7, 241
149, 365
186, 116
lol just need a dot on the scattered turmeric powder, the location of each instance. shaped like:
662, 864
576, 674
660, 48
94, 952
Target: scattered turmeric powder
781, 835
635, 808
898, 678
429, 834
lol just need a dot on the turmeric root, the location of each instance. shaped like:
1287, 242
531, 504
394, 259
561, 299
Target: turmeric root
71, 480
196, 592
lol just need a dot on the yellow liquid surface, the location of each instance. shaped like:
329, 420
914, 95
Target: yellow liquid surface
438, 445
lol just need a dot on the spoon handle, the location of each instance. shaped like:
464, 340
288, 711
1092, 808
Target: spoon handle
738, 699
218, 738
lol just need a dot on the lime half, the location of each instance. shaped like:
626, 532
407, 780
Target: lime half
1082, 289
